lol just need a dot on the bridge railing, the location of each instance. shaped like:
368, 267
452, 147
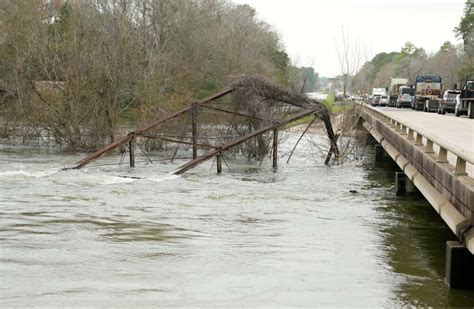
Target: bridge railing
417, 135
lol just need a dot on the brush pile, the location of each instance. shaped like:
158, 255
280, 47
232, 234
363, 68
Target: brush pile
266, 103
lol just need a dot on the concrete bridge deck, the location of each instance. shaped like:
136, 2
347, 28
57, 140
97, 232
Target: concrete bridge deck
455, 132
436, 154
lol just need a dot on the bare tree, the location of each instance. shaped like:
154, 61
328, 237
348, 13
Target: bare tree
349, 55
104, 62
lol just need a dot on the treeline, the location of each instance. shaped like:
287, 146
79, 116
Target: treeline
77, 69
408, 63
451, 62
303, 79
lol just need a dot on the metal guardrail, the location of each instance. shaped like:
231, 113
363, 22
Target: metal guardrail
417, 134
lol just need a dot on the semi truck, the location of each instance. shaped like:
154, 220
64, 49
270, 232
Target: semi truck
465, 100
393, 90
427, 92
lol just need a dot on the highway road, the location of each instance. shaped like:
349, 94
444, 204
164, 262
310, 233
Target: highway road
455, 131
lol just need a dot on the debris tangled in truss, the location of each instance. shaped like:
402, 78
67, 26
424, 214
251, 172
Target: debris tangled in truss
243, 119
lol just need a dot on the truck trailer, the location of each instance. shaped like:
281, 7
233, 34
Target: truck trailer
393, 90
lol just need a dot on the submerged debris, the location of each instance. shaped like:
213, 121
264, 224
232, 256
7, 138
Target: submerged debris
247, 89
263, 100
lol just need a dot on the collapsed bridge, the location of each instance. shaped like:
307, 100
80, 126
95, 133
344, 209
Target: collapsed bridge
248, 109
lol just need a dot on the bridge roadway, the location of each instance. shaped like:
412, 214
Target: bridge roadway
457, 132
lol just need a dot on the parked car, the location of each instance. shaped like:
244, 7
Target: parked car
383, 100
448, 103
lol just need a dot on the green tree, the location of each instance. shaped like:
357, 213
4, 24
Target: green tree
281, 60
446, 47
303, 79
465, 29
382, 59
410, 50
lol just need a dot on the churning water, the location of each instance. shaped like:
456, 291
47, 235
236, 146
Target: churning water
249, 237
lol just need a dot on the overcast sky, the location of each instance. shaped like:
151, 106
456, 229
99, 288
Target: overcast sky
310, 29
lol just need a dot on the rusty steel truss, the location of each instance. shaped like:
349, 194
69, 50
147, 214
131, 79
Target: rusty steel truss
317, 109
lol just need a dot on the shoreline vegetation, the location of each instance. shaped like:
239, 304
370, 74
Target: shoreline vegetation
77, 71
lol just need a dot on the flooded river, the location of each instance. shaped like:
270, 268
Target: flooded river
249, 237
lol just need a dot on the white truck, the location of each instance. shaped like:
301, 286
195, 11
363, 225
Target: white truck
393, 90
377, 93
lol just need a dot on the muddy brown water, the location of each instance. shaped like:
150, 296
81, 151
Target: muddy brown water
249, 237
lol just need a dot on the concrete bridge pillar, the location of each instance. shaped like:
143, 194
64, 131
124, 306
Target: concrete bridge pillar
379, 152
360, 123
409, 186
459, 266
403, 185
370, 140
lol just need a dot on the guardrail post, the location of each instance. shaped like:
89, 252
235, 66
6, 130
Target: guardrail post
403, 130
429, 146
442, 155
460, 167
419, 139
395, 124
